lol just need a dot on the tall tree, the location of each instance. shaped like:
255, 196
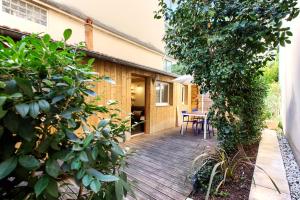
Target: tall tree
225, 44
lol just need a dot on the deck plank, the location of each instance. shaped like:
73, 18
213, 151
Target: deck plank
160, 164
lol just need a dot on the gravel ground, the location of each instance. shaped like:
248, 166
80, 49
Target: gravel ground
291, 167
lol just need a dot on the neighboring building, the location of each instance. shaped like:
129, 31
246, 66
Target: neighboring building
289, 74
127, 43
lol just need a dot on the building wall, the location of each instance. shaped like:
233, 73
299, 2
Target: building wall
290, 87
158, 118
108, 44
134, 18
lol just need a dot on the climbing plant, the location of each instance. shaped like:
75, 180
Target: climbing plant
49, 146
225, 45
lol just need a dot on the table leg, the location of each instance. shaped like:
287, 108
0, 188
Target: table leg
205, 127
181, 129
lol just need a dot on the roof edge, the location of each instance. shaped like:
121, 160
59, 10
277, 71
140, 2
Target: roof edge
16, 34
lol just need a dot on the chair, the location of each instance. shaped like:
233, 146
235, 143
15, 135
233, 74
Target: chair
185, 119
208, 125
198, 121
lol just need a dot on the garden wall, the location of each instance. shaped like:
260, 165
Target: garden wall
290, 87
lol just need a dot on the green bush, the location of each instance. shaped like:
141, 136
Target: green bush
217, 168
225, 44
46, 138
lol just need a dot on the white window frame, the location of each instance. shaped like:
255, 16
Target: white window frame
183, 91
168, 65
160, 103
26, 14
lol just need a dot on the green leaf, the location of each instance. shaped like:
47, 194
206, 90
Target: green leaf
29, 162
52, 168
103, 123
83, 157
212, 175
100, 176
57, 99
80, 174
289, 33
46, 38
2, 84
2, 100
91, 61
22, 109
67, 34
108, 79
2, 113
34, 109
77, 147
25, 86
86, 180
76, 164
16, 95
7, 166
52, 188
88, 140
117, 149
95, 185
68, 80
67, 114
11, 122
44, 105
95, 152
119, 190
89, 92
26, 129
41, 185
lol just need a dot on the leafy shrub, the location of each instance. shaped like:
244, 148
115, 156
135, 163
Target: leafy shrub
225, 44
217, 168
47, 139
201, 177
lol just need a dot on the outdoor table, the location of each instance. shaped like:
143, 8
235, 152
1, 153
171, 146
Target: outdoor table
198, 114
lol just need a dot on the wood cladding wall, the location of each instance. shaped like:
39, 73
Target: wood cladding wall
158, 118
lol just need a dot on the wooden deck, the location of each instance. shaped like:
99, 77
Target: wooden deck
160, 164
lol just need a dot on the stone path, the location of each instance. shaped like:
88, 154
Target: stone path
269, 158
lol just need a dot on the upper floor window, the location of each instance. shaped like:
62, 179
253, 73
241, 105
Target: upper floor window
162, 93
168, 65
25, 10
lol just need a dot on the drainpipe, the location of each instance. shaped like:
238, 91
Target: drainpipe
88, 26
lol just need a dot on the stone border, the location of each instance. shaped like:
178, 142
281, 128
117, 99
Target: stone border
269, 158
291, 167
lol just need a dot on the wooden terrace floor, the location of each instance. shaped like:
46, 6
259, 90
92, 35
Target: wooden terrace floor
160, 164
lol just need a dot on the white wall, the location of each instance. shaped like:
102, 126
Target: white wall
138, 92
289, 61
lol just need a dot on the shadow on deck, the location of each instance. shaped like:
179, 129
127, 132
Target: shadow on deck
160, 164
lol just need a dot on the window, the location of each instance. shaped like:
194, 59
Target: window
162, 93
184, 94
25, 10
168, 65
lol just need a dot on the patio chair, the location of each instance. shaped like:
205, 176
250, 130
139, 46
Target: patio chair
200, 122
185, 119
